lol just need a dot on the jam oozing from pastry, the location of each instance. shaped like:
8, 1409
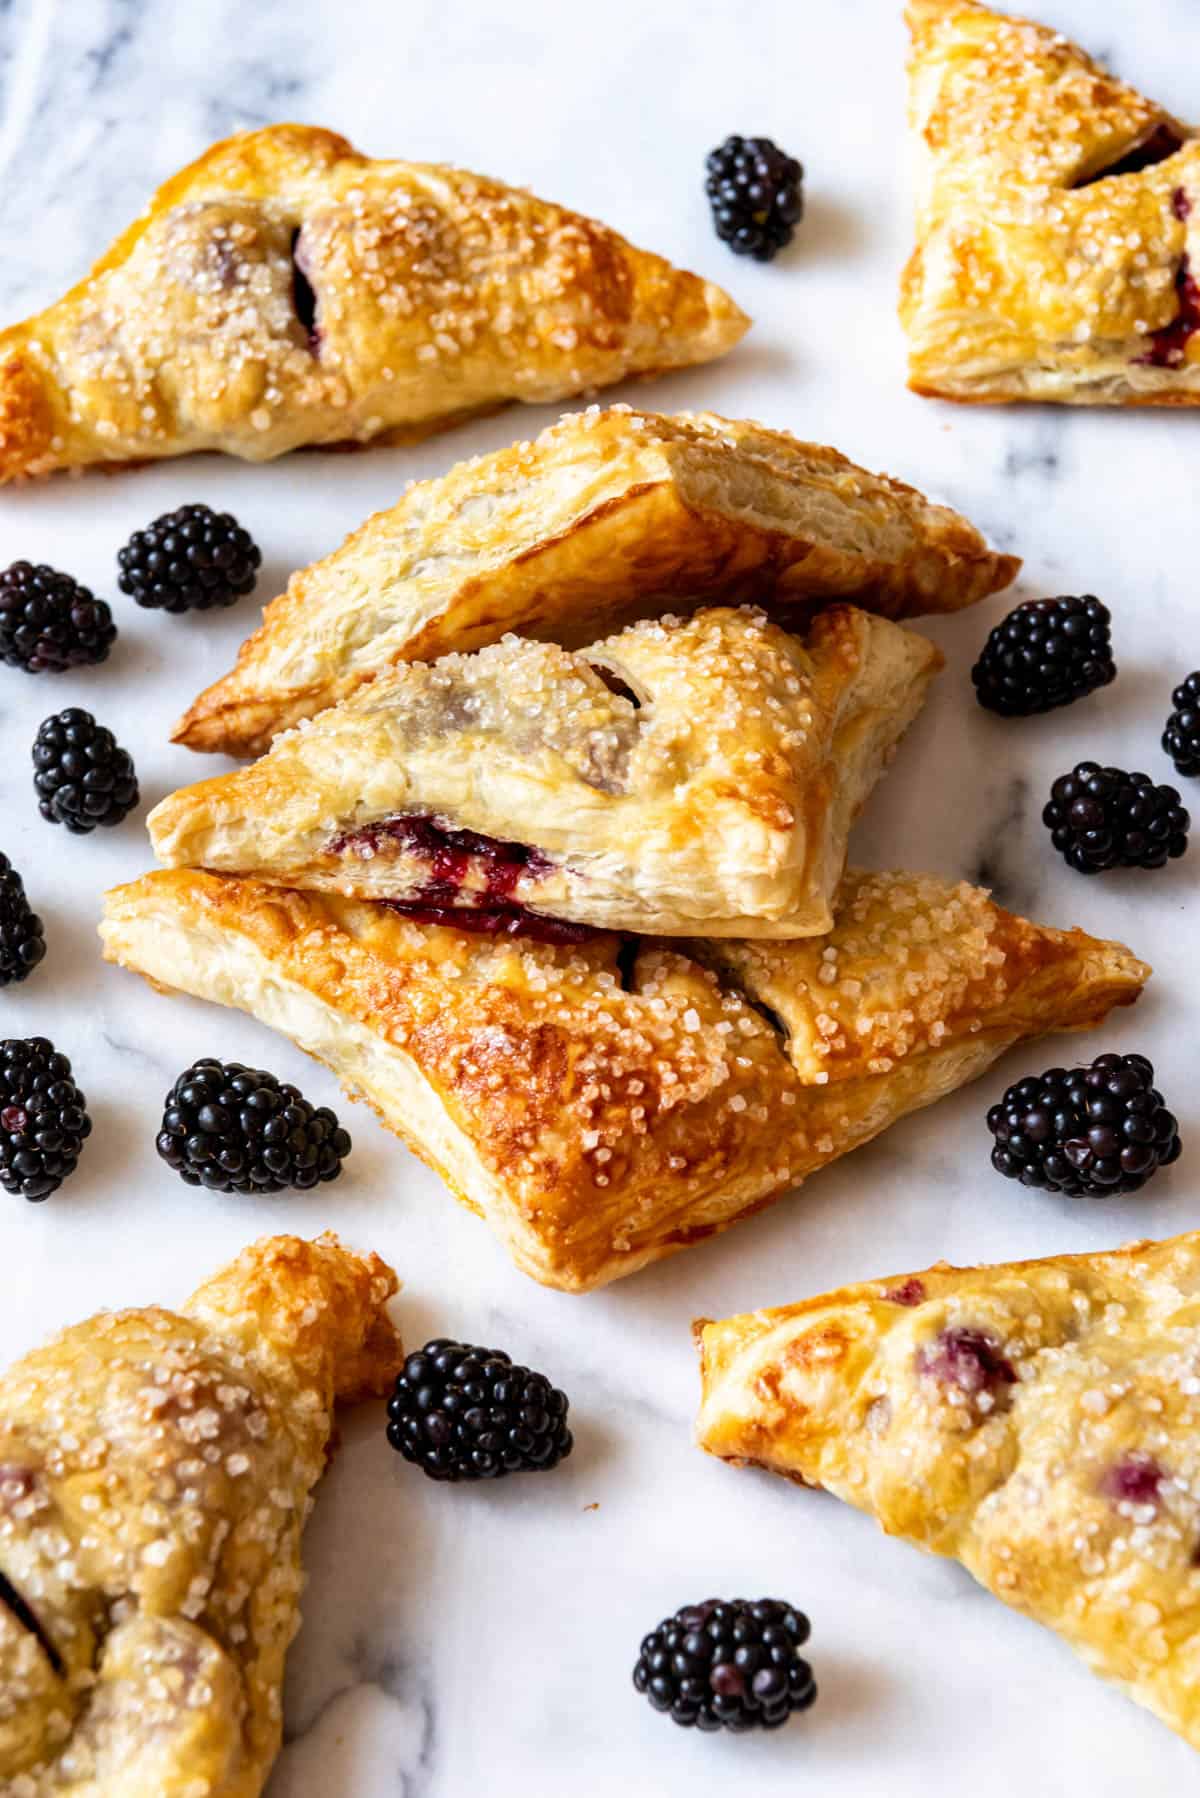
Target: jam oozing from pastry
1167, 346
968, 1359
909, 1292
304, 300
494, 920
28, 1619
1135, 1480
1181, 205
1163, 141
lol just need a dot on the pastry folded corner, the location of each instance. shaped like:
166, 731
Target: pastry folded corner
607, 1103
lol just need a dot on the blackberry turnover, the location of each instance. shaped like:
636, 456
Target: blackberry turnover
189, 560
755, 195
43, 1117
22, 940
1181, 738
1101, 818
728, 1664
238, 1129
1096, 1130
1046, 653
48, 622
82, 776
464, 1413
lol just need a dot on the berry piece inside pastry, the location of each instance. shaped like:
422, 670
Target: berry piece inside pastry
606, 1103
156, 1470
607, 516
1056, 252
284, 290
696, 774
1039, 1421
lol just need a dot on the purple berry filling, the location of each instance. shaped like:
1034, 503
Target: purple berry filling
1169, 344
1163, 141
1181, 205
494, 920
909, 1292
968, 1359
1136, 1480
304, 299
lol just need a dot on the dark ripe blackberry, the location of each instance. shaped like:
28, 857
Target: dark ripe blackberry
754, 190
1096, 1130
236, 1129
728, 1664
22, 941
1181, 738
1046, 653
464, 1413
1102, 818
43, 1117
48, 622
82, 776
189, 560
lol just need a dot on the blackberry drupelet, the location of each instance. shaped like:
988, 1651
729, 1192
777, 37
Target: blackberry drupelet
1046, 653
1097, 1130
48, 622
81, 774
754, 190
189, 560
465, 1413
1181, 738
728, 1664
1102, 818
237, 1129
43, 1117
22, 941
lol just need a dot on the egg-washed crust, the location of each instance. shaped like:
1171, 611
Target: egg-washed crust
1069, 1485
1036, 276
695, 774
606, 1104
607, 516
156, 1471
438, 294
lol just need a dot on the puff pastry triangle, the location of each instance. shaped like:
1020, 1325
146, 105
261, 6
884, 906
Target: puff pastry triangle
695, 774
285, 290
1038, 1421
156, 1470
1057, 213
605, 517
606, 1103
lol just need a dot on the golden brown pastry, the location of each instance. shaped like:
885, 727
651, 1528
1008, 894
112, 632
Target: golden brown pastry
1038, 1421
695, 774
606, 1103
1057, 212
606, 516
156, 1470
284, 290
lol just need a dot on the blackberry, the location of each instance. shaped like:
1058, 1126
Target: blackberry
1097, 1130
81, 774
728, 1664
754, 190
22, 941
465, 1413
237, 1129
1046, 653
1102, 818
48, 622
1181, 738
43, 1117
189, 560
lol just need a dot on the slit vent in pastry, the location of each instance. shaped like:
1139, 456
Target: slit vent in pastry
689, 775
1057, 212
606, 1103
284, 290
607, 516
156, 1470
1038, 1421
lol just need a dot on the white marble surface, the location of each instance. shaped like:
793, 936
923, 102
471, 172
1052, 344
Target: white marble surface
464, 1641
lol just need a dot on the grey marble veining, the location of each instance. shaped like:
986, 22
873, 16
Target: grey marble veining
480, 1641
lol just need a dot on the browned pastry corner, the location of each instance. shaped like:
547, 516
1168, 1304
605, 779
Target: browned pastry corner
1057, 220
156, 1470
605, 1103
1038, 1421
283, 290
607, 516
